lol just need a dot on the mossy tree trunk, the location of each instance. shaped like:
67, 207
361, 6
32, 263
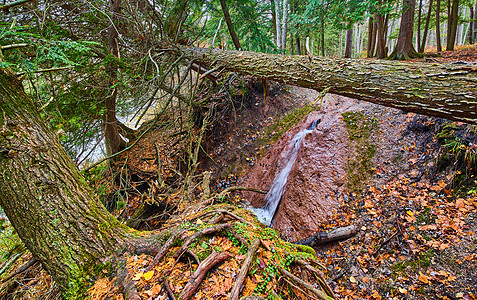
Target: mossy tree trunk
448, 91
57, 216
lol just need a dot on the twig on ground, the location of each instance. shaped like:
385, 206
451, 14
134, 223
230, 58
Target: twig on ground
303, 283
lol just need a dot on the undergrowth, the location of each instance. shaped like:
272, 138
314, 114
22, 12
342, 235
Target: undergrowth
458, 155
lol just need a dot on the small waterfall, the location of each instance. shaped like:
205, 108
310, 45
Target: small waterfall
266, 213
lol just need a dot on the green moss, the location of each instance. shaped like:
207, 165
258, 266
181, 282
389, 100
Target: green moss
282, 125
360, 166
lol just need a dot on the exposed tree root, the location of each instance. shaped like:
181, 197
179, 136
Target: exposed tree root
302, 283
169, 292
12, 260
235, 293
320, 277
123, 280
163, 250
199, 274
199, 234
21, 269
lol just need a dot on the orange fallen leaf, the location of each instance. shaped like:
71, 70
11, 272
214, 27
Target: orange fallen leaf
423, 278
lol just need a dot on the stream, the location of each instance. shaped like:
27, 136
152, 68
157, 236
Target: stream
266, 213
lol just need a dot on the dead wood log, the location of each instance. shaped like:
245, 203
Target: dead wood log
440, 90
235, 293
337, 234
201, 271
199, 234
303, 283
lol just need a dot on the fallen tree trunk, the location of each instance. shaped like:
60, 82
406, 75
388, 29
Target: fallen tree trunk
337, 234
441, 90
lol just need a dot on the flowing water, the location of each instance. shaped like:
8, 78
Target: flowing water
266, 213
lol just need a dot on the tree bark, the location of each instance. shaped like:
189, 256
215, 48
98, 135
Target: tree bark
277, 24
114, 141
55, 213
349, 42
448, 91
381, 46
438, 27
284, 24
322, 35
298, 48
228, 20
371, 38
337, 234
475, 24
452, 27
426, 28
404, 48
419, 17
471, 26
274, 19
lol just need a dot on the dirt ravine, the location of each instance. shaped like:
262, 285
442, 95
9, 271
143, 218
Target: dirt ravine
320, 172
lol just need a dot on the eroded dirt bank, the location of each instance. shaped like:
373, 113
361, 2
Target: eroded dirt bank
330, 162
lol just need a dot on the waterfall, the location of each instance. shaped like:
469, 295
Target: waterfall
266, 213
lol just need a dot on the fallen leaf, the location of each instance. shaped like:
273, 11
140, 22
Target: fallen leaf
138, 276
402, 291
423, 278
352, 279
148, 275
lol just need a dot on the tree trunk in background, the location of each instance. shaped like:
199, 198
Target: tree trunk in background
426, 28
371, 38
349, 43
284, 24
292, 46
419, 15
277, 24
438, 27
404, 48
113, 140
298, 46
274, 20
447, 91
381, 45
228, 20
45, 197
475, 24
471, 26
323, 34
452, 27
386, 28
